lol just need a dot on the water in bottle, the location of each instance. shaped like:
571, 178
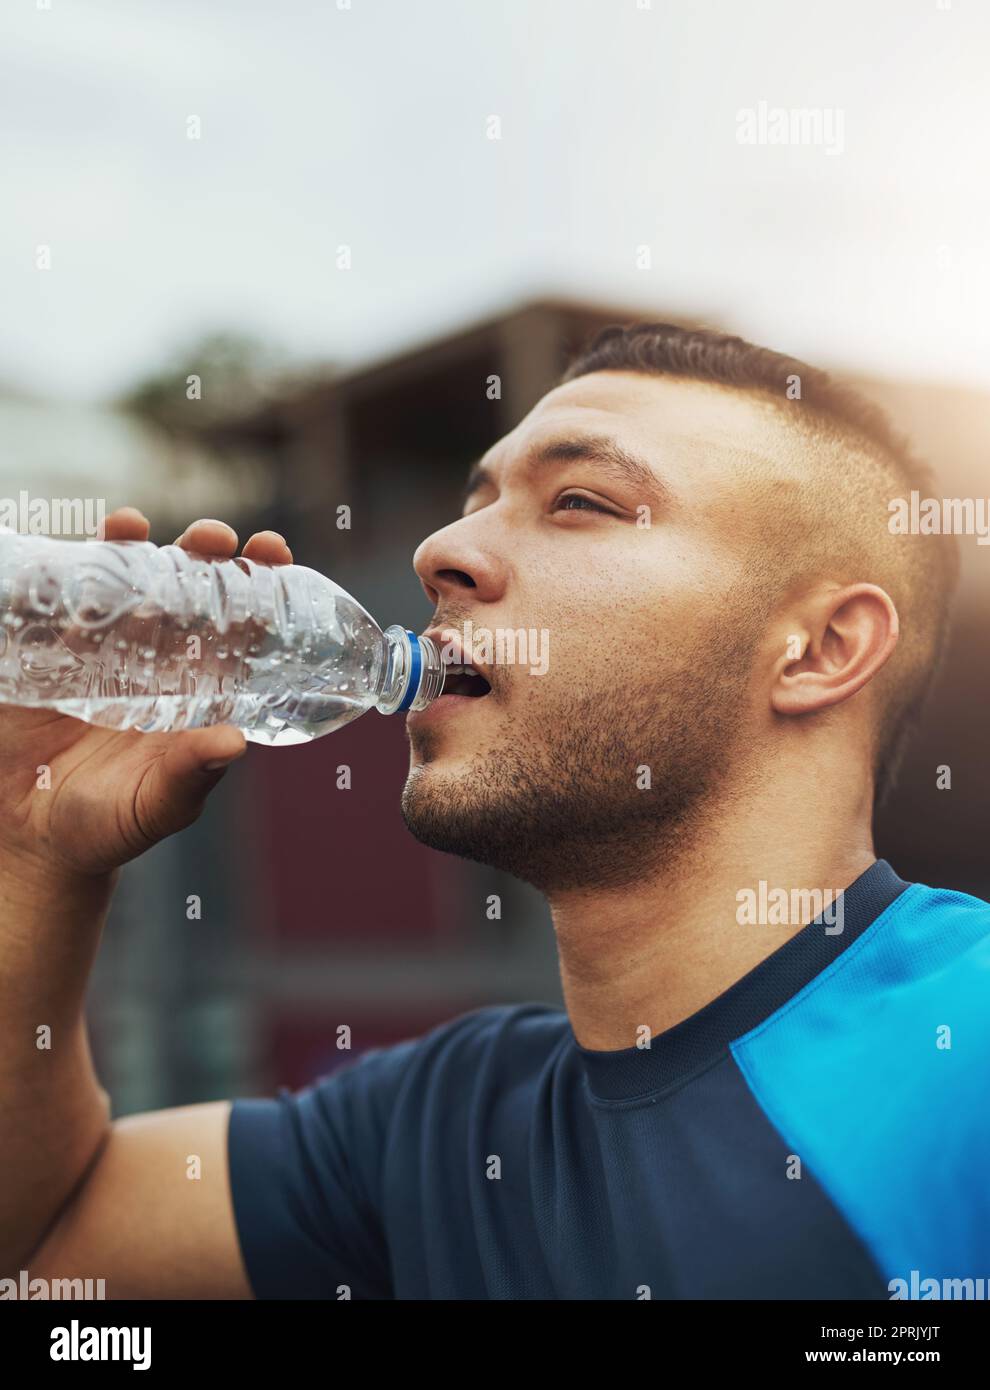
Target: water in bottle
128, 635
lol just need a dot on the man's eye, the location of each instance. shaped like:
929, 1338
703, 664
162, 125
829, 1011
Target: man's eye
577, 502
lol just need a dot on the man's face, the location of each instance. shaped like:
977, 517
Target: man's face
613, 522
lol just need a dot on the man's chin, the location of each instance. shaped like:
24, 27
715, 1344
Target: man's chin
439, 782
433, 807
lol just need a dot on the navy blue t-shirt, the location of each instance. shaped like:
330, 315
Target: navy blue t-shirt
820, 1130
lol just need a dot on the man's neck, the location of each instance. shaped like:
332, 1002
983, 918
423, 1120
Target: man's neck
661, 949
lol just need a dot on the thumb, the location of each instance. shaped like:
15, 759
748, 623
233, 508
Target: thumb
173, 794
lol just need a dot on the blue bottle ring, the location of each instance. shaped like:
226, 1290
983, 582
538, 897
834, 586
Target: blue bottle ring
415, 672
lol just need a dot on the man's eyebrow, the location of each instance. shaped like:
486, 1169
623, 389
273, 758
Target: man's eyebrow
611, 457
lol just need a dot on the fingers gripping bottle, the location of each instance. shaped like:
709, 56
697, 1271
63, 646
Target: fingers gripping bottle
127, 635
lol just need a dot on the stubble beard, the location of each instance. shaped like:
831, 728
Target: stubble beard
597, 791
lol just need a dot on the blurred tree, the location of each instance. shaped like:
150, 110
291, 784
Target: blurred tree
224, 375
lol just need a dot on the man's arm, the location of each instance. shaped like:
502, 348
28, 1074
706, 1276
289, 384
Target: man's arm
143, 1202
121, 1201
153, 1215
54, 1116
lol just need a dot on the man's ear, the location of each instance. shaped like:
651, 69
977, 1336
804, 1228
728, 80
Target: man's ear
836, 644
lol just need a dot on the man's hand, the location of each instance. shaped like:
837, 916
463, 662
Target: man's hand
113, 794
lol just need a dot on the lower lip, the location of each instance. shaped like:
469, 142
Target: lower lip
443, 708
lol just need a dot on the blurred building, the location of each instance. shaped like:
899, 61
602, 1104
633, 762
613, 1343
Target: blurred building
319, 910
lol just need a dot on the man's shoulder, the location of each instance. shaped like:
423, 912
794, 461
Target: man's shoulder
507, 1037
944, 960
898, 1022
939, 941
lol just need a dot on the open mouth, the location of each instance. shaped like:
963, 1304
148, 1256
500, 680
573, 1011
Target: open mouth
465, 680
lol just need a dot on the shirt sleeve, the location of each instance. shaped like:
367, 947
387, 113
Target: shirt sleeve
305, 1172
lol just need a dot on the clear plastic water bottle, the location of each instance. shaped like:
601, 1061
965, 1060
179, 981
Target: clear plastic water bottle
128, 635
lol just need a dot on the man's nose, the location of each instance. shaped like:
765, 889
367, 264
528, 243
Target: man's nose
453, 564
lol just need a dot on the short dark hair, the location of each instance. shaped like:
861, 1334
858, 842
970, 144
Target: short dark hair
830, 411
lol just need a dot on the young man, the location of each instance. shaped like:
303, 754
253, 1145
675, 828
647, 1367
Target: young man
739, 1101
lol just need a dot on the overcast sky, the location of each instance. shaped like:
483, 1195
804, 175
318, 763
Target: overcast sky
369, 127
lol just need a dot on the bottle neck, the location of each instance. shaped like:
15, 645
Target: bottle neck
413, 673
